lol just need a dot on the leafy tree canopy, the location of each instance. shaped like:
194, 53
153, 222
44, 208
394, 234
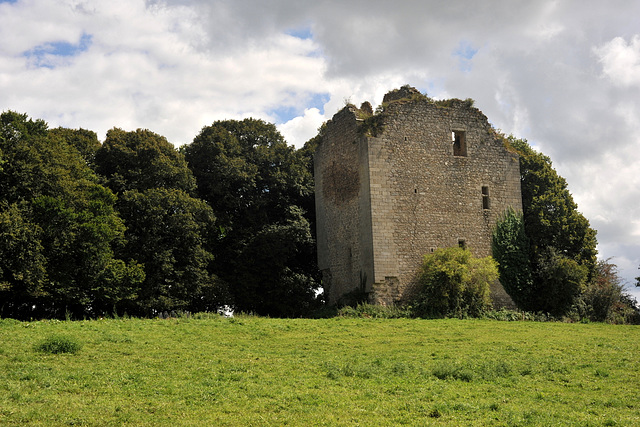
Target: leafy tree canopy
551, 216
58, 225
141, 160
169, 232
85, 141
261, 191
247, 172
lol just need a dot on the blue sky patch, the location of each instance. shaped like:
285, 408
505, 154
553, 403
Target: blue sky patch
318, 100
45, 54
8, 1
286, 112
465, 52
303, 33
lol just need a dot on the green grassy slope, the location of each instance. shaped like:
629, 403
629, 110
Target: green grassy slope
258, 371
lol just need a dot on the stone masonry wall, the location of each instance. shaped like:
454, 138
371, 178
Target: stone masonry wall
425, 197
383, 202
345, 253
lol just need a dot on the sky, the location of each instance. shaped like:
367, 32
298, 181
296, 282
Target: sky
565, 75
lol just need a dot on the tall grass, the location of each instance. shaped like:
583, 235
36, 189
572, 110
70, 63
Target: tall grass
58, 344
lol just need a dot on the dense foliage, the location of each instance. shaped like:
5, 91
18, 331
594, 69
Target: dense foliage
142, 160
551, 216
88, 229
605, 300
261, 191
168, 231
547, 255
59, 229
510, 248
454, 283
561, 244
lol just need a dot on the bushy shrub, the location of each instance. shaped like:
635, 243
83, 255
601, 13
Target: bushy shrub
58, 344
604, 298
454, 283
561, 280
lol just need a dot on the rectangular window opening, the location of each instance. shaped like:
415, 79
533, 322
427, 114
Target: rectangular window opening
485, 197
462, 243
459, 141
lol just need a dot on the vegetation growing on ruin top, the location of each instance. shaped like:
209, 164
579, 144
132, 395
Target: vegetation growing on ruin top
372, 123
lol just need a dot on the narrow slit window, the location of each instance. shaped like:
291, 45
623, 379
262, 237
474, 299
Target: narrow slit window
459, 141
485, 198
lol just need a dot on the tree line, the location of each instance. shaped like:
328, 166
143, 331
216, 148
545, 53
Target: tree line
134, 225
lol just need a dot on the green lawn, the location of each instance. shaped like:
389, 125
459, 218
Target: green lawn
368, 372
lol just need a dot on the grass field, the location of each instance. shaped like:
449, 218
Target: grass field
259, 372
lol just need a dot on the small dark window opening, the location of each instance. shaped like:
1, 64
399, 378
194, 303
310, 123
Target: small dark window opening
462, 243
459, 141
415, 190
485, 197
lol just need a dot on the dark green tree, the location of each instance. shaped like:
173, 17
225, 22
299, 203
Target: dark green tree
60, 226
275, 268
168, 230
560, 280
510, 248
83, 140
225, 175
562, 252
22, 261
261, 191
551, 216
142, 160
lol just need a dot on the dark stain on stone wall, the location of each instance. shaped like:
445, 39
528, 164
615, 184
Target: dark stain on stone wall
342, 184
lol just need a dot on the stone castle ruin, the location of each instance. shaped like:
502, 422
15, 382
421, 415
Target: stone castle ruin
396, 185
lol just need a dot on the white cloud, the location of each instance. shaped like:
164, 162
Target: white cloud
621, 60
145, 68
302, 128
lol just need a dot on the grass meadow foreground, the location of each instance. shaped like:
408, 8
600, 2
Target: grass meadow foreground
252, 371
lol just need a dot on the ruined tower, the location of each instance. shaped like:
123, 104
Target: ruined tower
395, 185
